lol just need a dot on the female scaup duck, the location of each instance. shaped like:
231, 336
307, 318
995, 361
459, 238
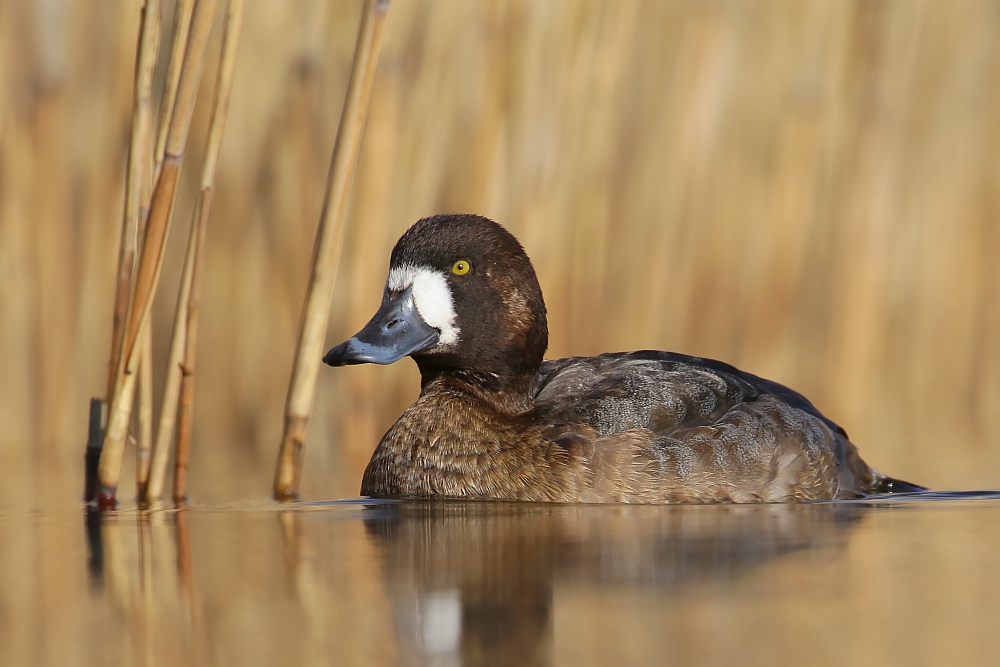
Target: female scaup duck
496, 421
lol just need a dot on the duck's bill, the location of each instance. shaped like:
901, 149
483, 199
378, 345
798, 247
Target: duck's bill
396, 331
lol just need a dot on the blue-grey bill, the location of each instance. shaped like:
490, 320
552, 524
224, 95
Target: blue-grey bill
396, 331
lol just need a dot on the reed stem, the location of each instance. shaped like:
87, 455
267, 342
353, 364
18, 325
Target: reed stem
188, 319
148, 46
220, 109
145, 440
151, 261
154, 242
149, 37
327, 249
160, 454
178, 47
171, 390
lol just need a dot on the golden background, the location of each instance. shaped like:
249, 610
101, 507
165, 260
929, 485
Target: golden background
805, 189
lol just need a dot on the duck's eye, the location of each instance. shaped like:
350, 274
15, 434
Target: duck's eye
461, 267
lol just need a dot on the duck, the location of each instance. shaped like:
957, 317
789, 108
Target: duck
495, 420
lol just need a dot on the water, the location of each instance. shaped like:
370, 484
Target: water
908, 581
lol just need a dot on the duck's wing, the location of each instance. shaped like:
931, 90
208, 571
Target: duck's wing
654, 390
661, 427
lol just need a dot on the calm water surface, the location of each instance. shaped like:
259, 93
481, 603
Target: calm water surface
912, 581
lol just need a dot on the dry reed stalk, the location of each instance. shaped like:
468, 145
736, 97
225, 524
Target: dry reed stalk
148, 272
153, 486
181, 30
2, 64
151, 258
149, 38
220, 109
146, 341
145, 439
171, 391
326, 251
149, 42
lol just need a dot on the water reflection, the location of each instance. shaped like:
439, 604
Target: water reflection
450, 583
473, 583
159, 579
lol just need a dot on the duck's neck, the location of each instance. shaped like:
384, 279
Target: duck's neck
508, 393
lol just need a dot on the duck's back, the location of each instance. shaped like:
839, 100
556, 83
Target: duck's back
655, 390
713, 432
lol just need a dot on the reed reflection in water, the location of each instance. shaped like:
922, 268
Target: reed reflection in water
478, 583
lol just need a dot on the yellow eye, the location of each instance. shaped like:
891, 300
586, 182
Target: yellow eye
461, 267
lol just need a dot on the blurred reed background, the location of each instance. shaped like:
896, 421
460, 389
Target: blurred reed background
806, 189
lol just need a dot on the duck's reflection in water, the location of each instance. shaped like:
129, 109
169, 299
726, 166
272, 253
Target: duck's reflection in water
472, 583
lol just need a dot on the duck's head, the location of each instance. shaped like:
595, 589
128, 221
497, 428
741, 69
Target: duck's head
461, 296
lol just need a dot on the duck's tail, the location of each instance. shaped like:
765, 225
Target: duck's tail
885, 484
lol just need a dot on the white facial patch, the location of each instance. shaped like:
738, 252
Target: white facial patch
431, 296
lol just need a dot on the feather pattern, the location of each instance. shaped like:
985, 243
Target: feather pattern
627, 427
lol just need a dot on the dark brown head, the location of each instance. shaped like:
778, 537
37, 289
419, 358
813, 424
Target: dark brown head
461, 296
